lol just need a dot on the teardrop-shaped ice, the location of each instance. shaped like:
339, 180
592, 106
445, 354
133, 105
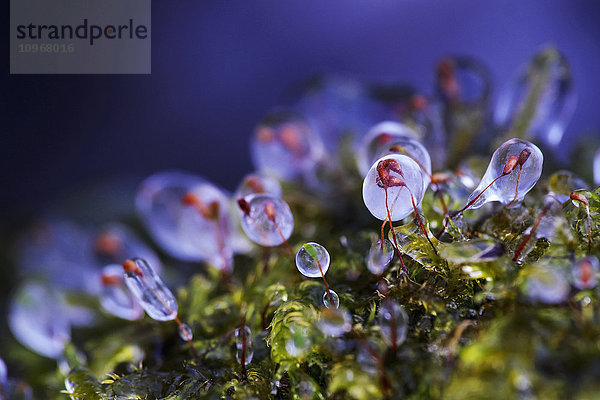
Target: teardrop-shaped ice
539, 101
284, 145
243, 343
149, 290
267, 220
393, 322
515, 161
402, 179
379, 256
189, 232
116, 298
37, 317
393, 138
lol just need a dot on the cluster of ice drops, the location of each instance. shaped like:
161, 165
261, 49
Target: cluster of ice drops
193, 220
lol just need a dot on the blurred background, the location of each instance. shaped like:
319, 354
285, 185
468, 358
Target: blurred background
218, 66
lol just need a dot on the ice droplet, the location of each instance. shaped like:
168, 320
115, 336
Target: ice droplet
267, 220
284, 145
312, 260
149, 290
508, 185
335, 321
327, 299
585, 273
37, 319
539, 101
398, 198
243, 343
393, 322
379, 256
116, 299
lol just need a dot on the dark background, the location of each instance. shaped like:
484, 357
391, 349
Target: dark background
217, 66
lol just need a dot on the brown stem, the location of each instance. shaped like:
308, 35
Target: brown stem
516, 188
393, 232
325, 281
479, 195
190, 342
527, 238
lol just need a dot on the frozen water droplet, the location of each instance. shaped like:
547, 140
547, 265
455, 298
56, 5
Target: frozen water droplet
399, 189
393, 138
284, 145
539, 101
336, 105
114, 243
243, 344
585, 273
335, 321
181, 230
472, 251
379, 256
502, 180
299, 341
149, 290
267, 220
116, 299
258, 183
327, 299
185, 332
312, 260
277, 293
596, 168
462, 80
3, 373
546, 284
393, 322
37, 319
62, 252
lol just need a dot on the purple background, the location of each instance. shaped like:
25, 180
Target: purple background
219, 65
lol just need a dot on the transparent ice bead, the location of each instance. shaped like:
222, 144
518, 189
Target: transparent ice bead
545, 283
242, 335
185, 332
393, 322
398, 197
61, 251
462, 80
181, 230
327, 302
337, 105
283, 145
312, 260
335, 321
596, 168
375, 144
379, 256
150, 291
115, 242
262, 228
585, 273
503, 190
539, 100
37, 319
258, 183
116, 298
299, 341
